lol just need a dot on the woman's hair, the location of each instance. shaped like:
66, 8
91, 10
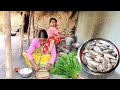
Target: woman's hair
42, 34
52, 19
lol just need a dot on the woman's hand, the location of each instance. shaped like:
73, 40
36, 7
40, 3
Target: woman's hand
36, 67
47, 66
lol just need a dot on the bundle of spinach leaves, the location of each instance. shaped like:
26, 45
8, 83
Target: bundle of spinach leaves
66, 65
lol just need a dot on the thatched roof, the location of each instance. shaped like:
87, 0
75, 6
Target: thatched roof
66, 19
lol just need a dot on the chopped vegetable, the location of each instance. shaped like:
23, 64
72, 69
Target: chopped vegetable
66, 65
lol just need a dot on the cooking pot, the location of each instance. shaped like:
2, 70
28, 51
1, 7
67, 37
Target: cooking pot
69, 40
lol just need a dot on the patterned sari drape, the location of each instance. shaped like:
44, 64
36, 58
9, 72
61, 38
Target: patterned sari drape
42, 54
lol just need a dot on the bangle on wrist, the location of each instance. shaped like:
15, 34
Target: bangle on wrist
50, 64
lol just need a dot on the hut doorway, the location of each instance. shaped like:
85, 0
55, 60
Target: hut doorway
26, 23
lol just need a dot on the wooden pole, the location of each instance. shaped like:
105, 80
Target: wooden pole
32, 24
8, 50
22, 32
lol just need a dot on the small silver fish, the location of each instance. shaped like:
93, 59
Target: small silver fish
104, 43
104, 64
99, 60
94, 52
88, 58
103, 48
100, 57
108, 51
100, 68
108, 47
113, 60
85, 51
113, 64
108, 59
89, 47
109, 55
88, 54
109, 67
84, 60
93, 64
92, 42
97, 49
114, 53
92, 69
99, 45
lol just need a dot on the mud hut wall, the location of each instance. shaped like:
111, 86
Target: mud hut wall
99, 24
41, 19
15, 20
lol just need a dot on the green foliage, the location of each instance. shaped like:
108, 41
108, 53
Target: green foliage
67, 65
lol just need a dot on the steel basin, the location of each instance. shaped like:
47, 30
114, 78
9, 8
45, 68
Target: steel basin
25, 72
79, 55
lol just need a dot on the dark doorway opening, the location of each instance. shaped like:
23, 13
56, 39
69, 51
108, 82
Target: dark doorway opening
26, 23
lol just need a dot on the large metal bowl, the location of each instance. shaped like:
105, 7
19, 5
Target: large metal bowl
25, 72
80, 53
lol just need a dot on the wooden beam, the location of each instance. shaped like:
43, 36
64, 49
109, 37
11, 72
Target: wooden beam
8, 50
22, 32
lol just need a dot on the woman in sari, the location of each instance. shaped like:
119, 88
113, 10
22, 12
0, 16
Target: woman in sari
53, 31
42, 52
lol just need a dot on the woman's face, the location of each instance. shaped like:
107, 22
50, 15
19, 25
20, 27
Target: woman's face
53, 23
42, 40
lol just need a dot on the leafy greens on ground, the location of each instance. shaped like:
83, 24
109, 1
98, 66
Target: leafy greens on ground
66, 65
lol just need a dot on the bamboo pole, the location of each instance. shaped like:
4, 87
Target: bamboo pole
22, 32
8, 50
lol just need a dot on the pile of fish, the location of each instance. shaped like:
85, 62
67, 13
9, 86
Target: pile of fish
100, 56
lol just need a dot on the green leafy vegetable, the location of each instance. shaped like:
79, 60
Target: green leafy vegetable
66, 65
